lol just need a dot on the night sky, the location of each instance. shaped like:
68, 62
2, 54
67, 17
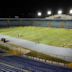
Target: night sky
29, 8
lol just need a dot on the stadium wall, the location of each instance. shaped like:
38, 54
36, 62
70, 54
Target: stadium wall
40, 22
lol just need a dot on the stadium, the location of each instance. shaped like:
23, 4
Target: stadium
36, 44
36, 36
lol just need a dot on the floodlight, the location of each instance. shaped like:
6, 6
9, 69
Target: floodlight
49, 12
59, 11
70, 12
39, 13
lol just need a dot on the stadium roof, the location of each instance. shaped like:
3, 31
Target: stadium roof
62, 16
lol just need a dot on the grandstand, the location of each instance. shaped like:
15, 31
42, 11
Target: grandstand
1, 51
57, 21
60, 16
20, 64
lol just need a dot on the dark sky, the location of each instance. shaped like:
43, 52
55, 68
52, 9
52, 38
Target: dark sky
28, 8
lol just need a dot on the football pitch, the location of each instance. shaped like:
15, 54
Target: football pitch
59, 37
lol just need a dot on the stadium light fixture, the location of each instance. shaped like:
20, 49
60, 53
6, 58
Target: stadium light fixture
70, 12
49, 12
39, 13
59, 12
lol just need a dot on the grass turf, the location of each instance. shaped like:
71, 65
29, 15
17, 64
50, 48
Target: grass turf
51, 36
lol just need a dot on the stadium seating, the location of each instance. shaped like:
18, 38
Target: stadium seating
12, 22
1, 51
31, 65
4, 68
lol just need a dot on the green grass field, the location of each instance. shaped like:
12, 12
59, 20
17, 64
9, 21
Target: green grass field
51, 36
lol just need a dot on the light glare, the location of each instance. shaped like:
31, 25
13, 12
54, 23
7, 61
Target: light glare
70, 11
49, 12
39, 14
59, 11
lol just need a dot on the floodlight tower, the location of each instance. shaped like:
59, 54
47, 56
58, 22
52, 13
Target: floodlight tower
39, 14
49, 12
60, 12
70, 11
